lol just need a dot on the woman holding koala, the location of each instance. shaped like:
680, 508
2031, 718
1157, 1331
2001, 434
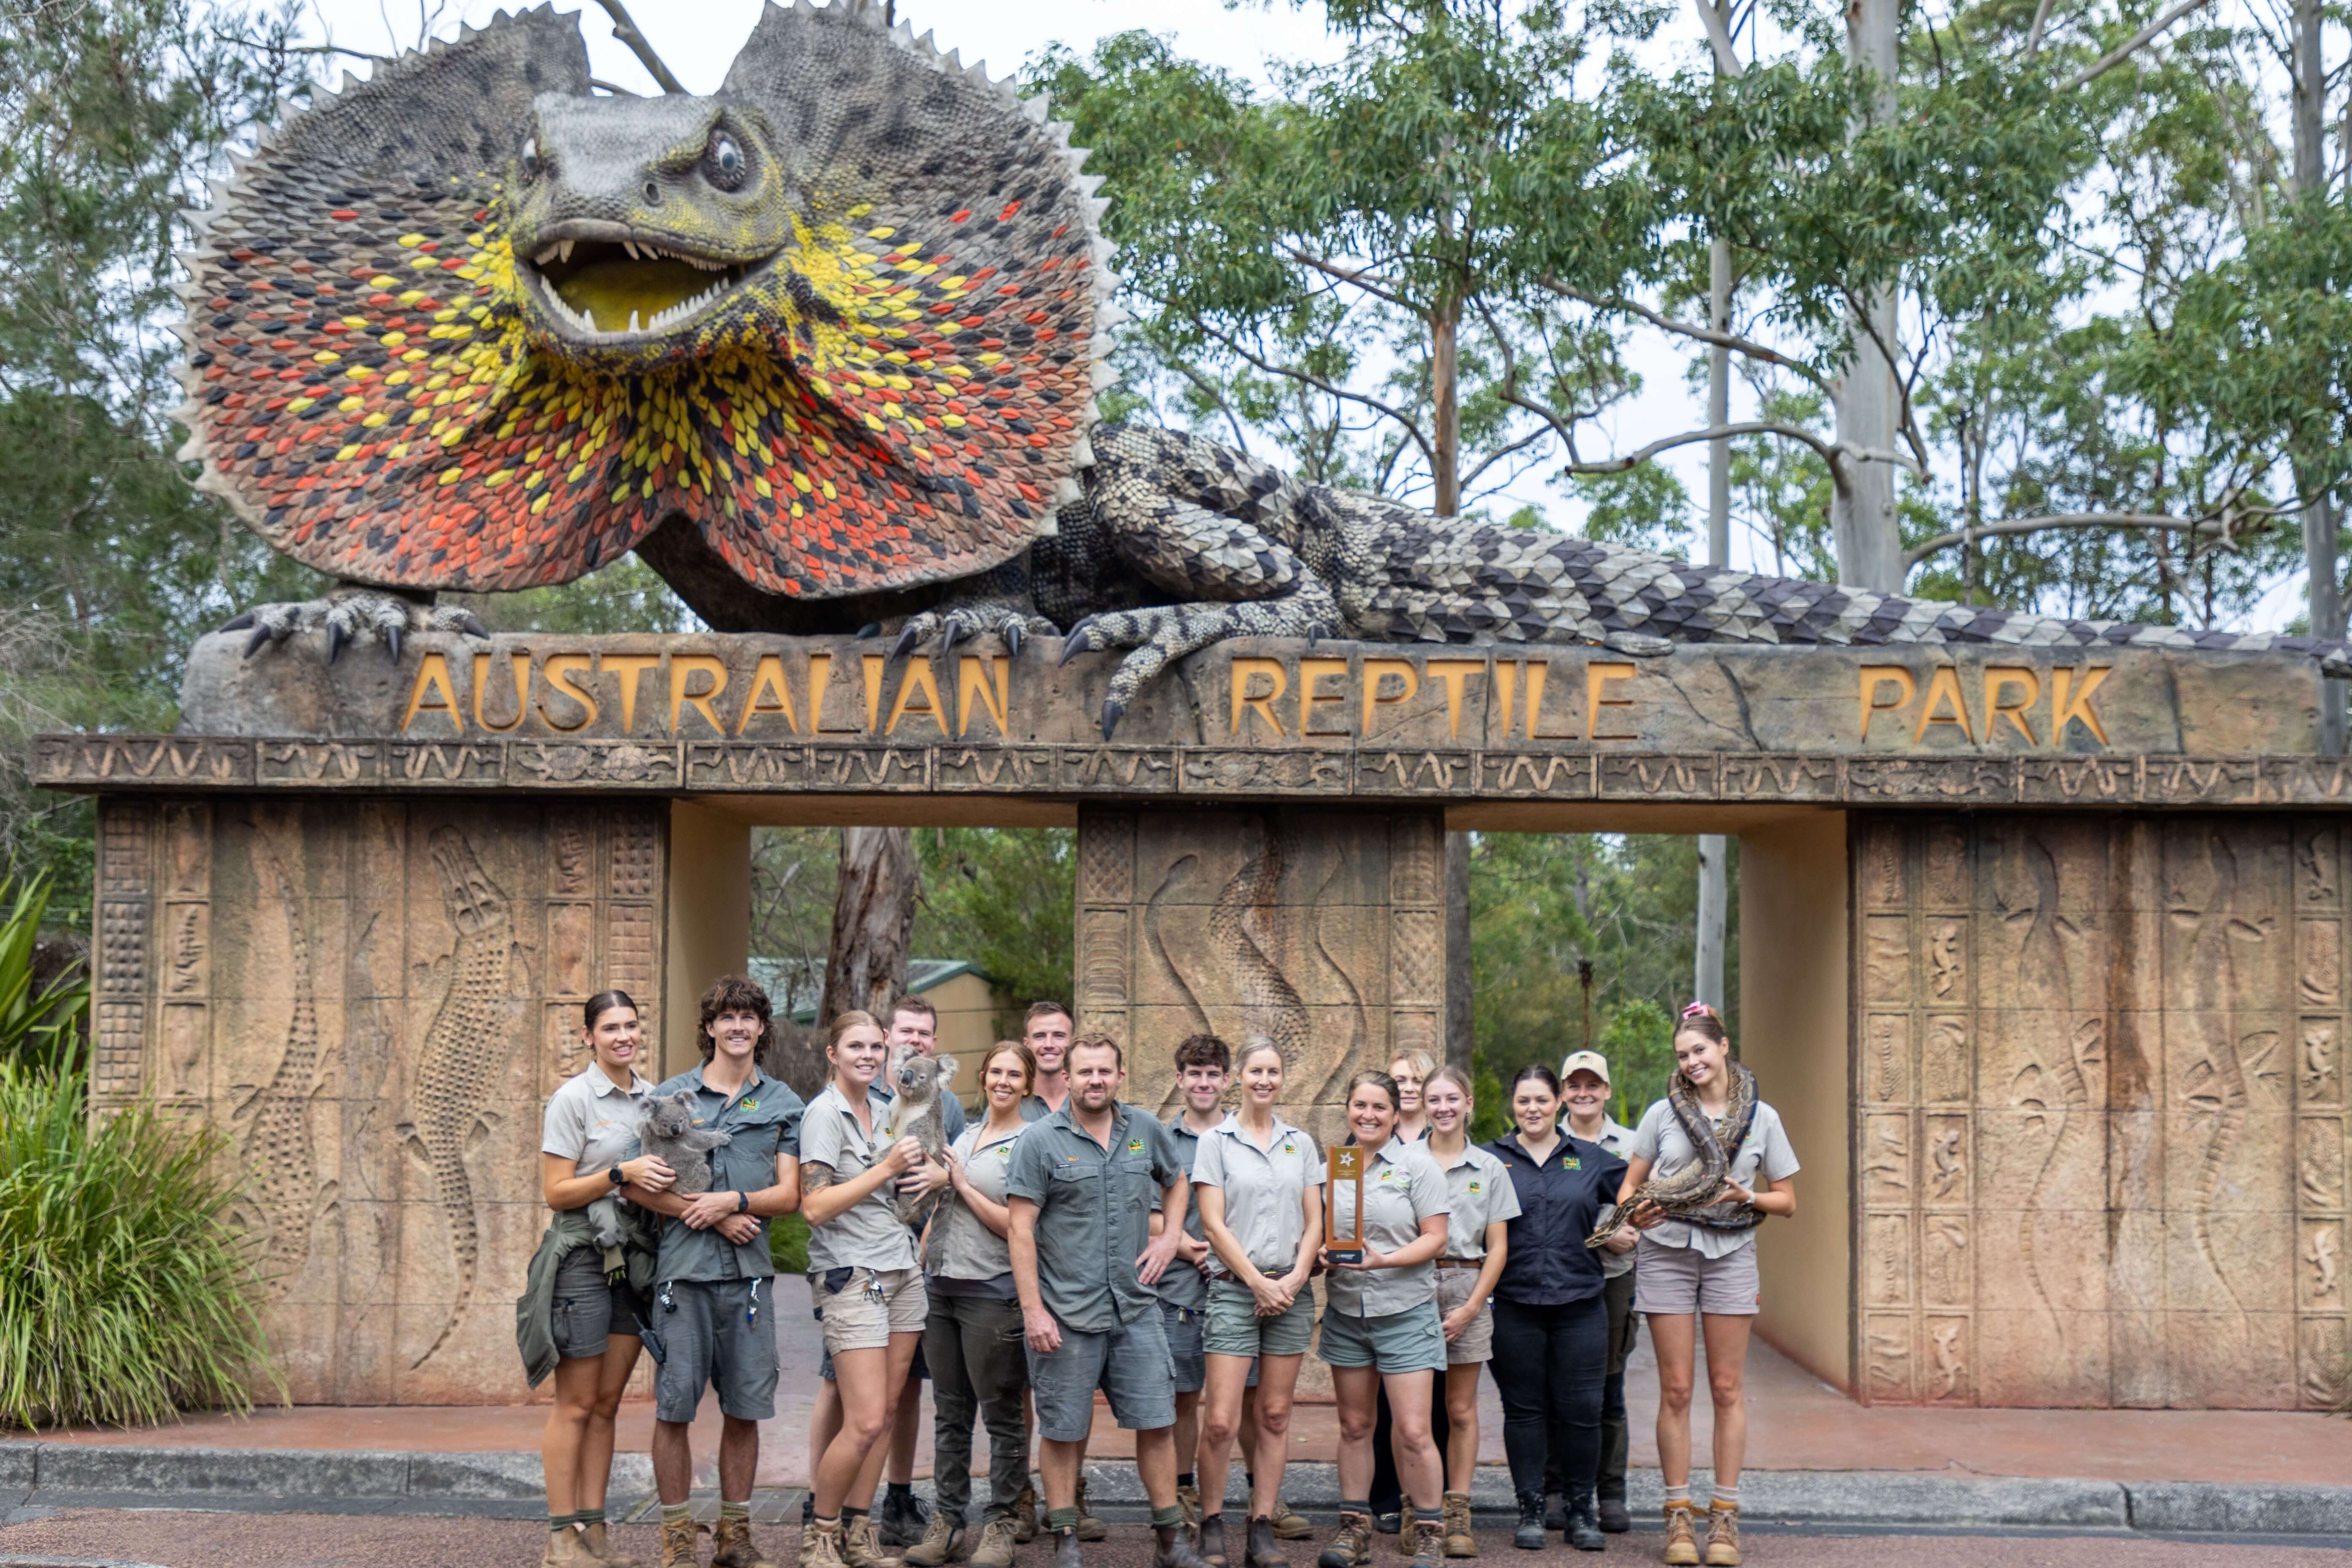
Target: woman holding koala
864, 1278
584, 1321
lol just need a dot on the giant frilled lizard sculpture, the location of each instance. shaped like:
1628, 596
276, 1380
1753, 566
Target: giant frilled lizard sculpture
822, 348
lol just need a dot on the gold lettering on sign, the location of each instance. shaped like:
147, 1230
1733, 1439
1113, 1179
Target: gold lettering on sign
2001, 679
683, 668
1597, 679
767, 680
2067, 704
971, 681
433, 676
1943, 690
874, 663
1260, 703
918, 678
1506, 687
1874, 676
1455, 675
628, 668
1408, 679
519, 666
1311, 671
559, 669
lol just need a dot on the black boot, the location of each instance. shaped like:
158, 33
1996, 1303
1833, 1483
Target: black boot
1173, 1550
1213, 1539
1615, 1519
1555, 1508
1584, 1524
1530, 1536
1065, 1550
1264, 1551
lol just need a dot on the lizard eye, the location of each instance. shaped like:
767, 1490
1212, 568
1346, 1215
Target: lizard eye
726, 161
531, 167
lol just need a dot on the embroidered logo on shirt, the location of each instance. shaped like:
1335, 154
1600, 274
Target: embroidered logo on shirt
751, 1105
1288, 1148
1572, 1162
1474, 1186
1135, 1145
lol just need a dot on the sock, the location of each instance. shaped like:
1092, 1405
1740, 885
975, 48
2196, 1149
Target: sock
898, 1491
1428, 1515
741, 1510
1060, 1519
820, 1523
1185, 1479
588, 1516
1728, 1495
557, 1523
677, 1512
1356, 1505
849, 1513
1678, 1495
1167, 1518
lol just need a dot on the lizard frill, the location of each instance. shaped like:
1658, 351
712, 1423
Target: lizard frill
398, 373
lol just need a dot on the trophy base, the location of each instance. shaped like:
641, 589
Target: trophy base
1345, 1255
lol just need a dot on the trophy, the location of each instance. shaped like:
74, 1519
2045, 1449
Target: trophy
1345, 1163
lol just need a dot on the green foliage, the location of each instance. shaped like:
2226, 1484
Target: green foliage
39, 1029
788, 1239
1640, 509
130, 1293
1002, 900
1639, 1041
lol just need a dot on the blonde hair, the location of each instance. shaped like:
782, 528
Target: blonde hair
844, 1022
1420, 1061
1448, 1073
1258, 1043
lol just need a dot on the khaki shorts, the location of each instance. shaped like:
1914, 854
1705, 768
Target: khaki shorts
1410, 1340
862, 1307
1477, 1341
1683, 1280
1235, 1329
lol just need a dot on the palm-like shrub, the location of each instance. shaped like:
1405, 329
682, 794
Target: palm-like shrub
42, 1027
127, 1293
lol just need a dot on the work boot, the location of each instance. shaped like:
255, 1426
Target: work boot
1459, 1541
903, 1519
1723, 1535
940, 1542
1555, 1510
1289, 1524
1614, 1518
1263, 1552
1584, 1531
1351, 1544
599, 1542
1389, 1521
860, 1548
1089, 1526
1188, 1498
820, 1547
1025, 1517
808, 1510
681, 1544
1530, 1536
1428, 1542
731, 1546
1213, 1539
1173, 1550
1682, 1540
567, 1549
997, 1539
1065, 1550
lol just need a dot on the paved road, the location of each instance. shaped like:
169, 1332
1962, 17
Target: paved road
178, 1540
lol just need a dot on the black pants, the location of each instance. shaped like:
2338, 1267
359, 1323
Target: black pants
1558, 1412
1624, 1326
979, 1356
1388, 1491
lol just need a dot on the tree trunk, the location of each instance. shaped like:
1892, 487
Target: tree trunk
1446, 410
1461, 1033
873, 921
2326, 599
1862, 514
1714, 911
1713, 886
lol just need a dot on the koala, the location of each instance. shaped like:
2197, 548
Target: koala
920, 1080
666, 1126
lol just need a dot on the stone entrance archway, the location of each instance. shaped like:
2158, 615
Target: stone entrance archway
2042, 954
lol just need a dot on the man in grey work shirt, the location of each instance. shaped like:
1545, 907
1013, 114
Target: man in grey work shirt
1084, 1275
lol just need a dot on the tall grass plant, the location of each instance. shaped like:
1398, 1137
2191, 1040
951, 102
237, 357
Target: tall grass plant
39, 1028
128, 1293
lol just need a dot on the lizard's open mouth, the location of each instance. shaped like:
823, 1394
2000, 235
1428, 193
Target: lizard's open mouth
619, 290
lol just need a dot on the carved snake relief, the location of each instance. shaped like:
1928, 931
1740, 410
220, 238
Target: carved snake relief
1268, 999
464, 1053
278, 1144
1695, 1192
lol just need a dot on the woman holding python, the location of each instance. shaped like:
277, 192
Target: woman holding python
1717, 1161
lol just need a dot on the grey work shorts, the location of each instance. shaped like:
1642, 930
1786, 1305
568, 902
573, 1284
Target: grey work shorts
1130, 1364
1477, 1341
1683, 1280
588, 1309
1182, 1327
1235, 1329
1410, 1340
716, 1333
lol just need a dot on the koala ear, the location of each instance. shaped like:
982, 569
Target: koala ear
947, 1068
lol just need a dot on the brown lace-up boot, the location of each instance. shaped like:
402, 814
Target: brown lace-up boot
860, 1547
820, 1546
599, 1542
1428, 1538
1723, 1535
731, 1545
1459, 1541
681, 1544
566, 1548
1089, 1526
1351, 1544
1289, 1524
941, 1542
1025, 1517
1682, 1540
998, 1536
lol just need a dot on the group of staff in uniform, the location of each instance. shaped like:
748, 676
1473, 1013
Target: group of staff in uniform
1082, 1245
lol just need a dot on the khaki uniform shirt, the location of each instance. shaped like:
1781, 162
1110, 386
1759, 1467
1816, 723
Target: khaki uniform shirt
961, 1247
1264, 1189
1479, 1192
593, 1121
1403, 1186
1093, 1204
762, 1120
1660, 1140
868, 1234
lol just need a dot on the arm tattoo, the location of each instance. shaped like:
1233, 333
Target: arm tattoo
815, 1177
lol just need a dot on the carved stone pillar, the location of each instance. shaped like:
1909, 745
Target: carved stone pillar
1323, 930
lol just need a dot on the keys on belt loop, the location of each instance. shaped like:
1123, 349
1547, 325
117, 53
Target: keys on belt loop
751, 1315
874, 1286
669, 1302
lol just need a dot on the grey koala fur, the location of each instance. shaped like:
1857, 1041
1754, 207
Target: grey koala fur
666, 1130
918, 1082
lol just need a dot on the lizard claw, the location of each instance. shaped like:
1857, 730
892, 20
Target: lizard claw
948, 639
257, 641
471, 625
1078, 639
240, 623
336, 638
869, 631
1112, 712
392, 642
1012, 635
908, 639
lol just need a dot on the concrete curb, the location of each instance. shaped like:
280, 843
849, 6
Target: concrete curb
59, 1474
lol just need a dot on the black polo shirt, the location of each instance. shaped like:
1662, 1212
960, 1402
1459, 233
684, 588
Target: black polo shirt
1559, 1204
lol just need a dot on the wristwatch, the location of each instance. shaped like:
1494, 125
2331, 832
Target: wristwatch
742, 1203
614, 1172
